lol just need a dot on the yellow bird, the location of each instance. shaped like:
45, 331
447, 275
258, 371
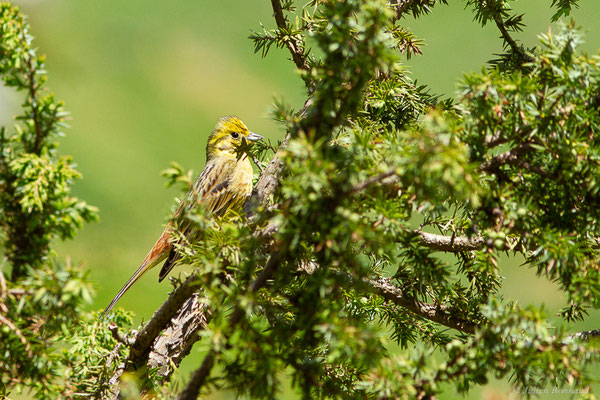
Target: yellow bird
224, 183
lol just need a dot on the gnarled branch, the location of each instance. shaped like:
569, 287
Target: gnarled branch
175, 343
141, 345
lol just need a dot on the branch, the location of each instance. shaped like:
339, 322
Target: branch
385, 288
159, 320
114, 331
199, 376
140, 345
509, 40
585, 335
452, 244
292, 42
371, 181
267, 181
512, 157
175, 343
436, 313
440, 314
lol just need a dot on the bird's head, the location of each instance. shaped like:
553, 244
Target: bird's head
228, 134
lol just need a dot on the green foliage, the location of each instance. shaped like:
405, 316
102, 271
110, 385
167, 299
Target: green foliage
564, 8
36, 314
390, 223
515, 342
35, 179
92, 356
416, 8
546, 192
508, 165
44, 297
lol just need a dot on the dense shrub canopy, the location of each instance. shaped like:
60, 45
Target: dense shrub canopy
385, 215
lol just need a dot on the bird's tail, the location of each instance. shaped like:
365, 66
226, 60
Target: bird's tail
168, 266
158, 253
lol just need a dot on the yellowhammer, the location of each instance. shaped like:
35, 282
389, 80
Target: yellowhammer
224, 183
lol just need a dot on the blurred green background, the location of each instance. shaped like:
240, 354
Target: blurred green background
145, 82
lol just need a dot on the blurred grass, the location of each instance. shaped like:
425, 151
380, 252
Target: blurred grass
145, 83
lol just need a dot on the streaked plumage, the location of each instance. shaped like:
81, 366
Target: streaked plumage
224, 183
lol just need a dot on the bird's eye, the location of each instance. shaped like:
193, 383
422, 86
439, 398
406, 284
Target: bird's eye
235, 135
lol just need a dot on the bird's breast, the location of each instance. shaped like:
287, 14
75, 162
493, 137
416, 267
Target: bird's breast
241, 179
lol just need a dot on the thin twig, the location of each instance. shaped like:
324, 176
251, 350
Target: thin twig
586, 335
114, 331
294, 45
509, 40
256, 162
512, 157
19, 292
390, 292
3, 287
359, 187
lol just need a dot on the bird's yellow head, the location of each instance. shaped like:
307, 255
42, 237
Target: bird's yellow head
228, 134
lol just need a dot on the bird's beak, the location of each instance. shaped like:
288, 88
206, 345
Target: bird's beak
253, 137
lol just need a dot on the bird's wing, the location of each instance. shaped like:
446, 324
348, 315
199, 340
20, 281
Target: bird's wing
211, 190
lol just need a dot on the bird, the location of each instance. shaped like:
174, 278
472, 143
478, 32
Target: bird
224, 184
